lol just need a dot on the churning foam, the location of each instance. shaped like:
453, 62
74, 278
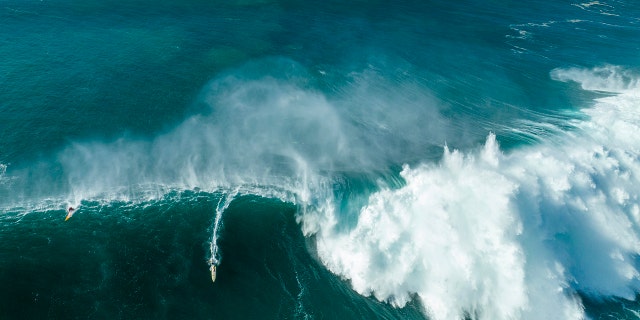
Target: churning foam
508, 236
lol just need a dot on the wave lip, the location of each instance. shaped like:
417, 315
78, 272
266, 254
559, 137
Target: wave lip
608, 78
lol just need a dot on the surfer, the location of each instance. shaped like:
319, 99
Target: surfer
70, 212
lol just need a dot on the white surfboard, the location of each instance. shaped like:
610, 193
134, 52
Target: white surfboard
213, 272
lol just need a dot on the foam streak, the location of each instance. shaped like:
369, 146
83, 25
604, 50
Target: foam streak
223, 204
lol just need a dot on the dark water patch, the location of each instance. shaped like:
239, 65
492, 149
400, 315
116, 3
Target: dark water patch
148, 261
611, 308
266, 265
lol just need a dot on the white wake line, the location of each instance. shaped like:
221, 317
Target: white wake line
222, 206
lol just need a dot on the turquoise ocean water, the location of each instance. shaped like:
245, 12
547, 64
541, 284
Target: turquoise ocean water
334, 160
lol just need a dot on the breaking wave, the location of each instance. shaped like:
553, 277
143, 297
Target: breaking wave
482, 233
496, 235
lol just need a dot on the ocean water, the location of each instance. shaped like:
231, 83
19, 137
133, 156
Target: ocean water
335, 160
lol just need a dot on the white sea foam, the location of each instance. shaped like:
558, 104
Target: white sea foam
609, 78
597, 7
507, 236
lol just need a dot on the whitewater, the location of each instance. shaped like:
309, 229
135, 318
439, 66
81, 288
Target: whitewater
515, 235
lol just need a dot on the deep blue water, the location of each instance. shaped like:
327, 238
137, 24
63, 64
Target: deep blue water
334, 160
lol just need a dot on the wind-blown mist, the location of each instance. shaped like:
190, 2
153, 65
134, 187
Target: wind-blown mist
268, 130
508, 236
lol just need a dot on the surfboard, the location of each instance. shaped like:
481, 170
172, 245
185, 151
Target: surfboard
70, 213
213, 272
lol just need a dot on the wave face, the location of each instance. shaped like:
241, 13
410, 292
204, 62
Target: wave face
403, 160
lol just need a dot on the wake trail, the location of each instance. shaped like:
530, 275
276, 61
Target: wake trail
223, 204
